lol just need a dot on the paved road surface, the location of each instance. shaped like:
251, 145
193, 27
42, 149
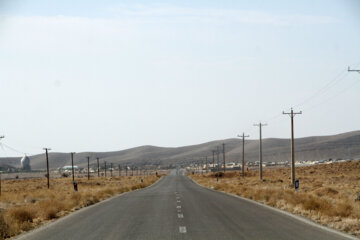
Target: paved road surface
177, 208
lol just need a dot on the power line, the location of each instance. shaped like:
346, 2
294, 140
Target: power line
322, 90
350, 86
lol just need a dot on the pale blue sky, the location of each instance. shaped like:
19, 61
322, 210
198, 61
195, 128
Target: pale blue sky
109, 75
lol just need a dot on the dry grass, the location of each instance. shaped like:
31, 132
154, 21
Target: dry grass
26, 204
327, 192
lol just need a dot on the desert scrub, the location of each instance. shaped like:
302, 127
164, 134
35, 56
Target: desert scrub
328, 193
26, 204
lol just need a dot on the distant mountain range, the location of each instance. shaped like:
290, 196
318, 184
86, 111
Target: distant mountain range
345, 145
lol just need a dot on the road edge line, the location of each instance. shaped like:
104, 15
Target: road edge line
300, 218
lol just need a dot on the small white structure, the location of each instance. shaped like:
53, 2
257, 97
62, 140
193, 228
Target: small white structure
25, 163
69, 168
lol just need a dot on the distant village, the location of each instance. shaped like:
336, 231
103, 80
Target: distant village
237, 166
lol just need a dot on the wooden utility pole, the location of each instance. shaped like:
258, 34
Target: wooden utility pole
213, 153
126, 169
292, 114
206, 164
217, 158
111, 168
105, 167
47, 166
119, 170
243, 153
260, 125
88, 158
72, 166
98, 166
223, 145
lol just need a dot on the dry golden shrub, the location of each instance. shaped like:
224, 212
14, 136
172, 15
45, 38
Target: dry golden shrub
328, 193
28, 203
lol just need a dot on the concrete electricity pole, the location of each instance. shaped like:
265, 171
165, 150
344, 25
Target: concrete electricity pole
292, 115
88, 158
47, 166
98, 165
260, 125
72, 166
223, 145
243, 153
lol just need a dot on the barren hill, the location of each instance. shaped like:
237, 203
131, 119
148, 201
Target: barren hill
345, 145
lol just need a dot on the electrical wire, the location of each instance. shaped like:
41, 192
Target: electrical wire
332, 97
11, 148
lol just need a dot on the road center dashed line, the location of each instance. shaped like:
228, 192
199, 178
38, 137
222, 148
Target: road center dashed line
182, 229
178, 201
180, 215
178, 207
179, 210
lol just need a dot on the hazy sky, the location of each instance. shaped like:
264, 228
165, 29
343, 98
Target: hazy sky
109, 75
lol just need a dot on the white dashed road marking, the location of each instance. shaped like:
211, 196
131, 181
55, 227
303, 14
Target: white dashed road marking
178, 206
180, 215
182, 229
179, 210
178, 201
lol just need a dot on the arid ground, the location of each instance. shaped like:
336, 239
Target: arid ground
329, 194
28, 203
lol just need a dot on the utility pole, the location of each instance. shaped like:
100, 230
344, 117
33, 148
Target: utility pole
260, 125
353, 70
105, 168
243, 154
98, 165
126, 169
119, 170
47, 166
213, 153
206, 164
223, 145
0, 183
111, 168
292, 114
72, 166
217, 158
88, 158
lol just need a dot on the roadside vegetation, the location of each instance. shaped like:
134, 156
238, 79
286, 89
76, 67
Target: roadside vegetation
28, 203
329, 194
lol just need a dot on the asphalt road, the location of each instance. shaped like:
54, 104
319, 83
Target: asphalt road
177, 208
